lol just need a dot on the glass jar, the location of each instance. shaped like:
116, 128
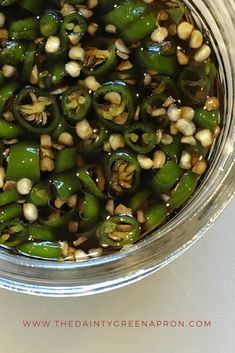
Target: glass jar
21, 274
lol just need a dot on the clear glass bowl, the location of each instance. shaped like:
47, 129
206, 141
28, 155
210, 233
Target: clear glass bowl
158, 249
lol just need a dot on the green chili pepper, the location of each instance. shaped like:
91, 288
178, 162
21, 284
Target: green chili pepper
140, 137
32, 6
59, 129
154, 216
57, 219
42, 250
66, 184
97, 142
118, 231
100, 58
183, 190
13, 53
39, 195
166, 177
9, 196
211, 72
123, 172
28, 62
76, 103
39, 116
24, 29
115, 114
206, 119
9, 130
10, 212
125, 16
138, 199
65, 159
92, 179
177, 14
13, 233
40, 232
160, 58
57, 73
73, 25
23, 162
90, 208
197, 149
6, 92
150, 106
173, 150
162, 84
49, 23
194, 85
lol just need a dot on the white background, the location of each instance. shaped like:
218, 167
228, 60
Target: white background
200, 285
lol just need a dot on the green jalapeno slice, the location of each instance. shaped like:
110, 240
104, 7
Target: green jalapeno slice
118, 231
114, 105
76, 103
36, 110
141, 138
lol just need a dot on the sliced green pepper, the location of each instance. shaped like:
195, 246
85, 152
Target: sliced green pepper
42, 250
9, 196
39, 195
40, 232
96, 142
6, 92
166, 177
173, 150
100, 58
32, 6
65, 159
177, 14
13, 233
183, 190
49, 23
76, 103
57, 219
9, 212
123, 172
206, 119
27, 28
154, 216
23, 162
28, 62
140, 137
160, 58
66, 184
194, 85
14, 53
138, 199
150, 106
88, 211
114, 105
125, 16
93, 181
73, 28
9, 130
36, 110
118, 231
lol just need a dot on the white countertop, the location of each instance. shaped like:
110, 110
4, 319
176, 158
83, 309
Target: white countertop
199, 286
